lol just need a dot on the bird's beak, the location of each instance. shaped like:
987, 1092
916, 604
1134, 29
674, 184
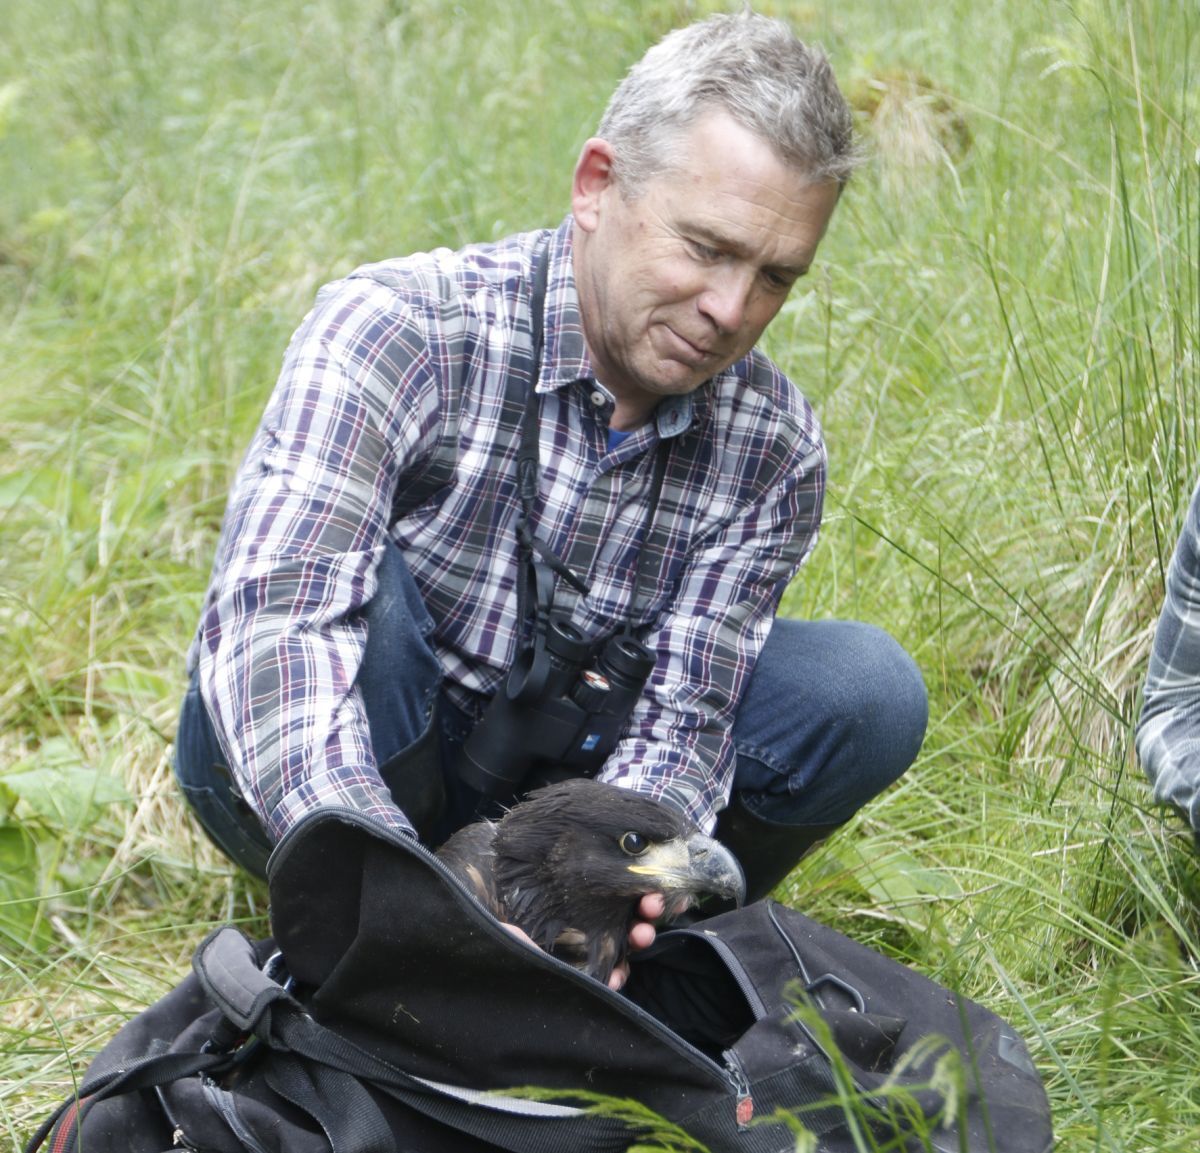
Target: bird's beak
716, 869
700, 865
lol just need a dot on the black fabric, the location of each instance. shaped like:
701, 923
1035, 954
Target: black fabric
405, 998
768, 850
881, 1016
415, 929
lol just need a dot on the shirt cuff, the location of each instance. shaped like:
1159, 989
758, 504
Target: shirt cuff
341, 789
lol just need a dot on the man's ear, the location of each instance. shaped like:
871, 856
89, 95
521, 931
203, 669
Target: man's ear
594, 176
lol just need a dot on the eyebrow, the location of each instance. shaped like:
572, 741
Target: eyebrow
724, 243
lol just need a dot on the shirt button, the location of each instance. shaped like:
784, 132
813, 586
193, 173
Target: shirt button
599, 399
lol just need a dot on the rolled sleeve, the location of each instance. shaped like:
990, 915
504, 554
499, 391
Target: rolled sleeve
679, 748
280, 645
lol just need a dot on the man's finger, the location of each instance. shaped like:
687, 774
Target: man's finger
641, 935
520, 934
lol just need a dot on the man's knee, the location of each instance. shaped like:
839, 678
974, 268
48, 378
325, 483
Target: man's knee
835, 712
208, 787
885, 694
400, 676
833, 669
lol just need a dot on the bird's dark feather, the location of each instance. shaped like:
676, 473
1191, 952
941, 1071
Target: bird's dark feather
558, 866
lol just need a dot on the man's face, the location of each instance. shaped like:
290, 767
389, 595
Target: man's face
678, 282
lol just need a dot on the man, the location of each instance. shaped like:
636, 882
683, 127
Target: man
1168, 731
366, 601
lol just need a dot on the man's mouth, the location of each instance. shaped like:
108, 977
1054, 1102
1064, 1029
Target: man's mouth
687, 350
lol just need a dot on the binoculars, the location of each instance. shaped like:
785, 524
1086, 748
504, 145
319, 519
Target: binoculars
560, 710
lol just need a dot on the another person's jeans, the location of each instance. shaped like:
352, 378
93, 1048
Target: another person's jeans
834, 712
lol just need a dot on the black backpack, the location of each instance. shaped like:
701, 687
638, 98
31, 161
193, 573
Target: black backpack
392, 1013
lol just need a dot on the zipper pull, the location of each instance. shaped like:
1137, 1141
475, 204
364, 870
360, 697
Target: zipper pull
744, 1113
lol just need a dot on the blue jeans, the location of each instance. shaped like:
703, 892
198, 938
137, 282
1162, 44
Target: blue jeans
835, 712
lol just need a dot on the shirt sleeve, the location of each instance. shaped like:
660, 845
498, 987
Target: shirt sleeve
1168, 731
679, 747
280, 646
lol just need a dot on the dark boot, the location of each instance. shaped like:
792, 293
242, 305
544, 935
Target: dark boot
768, 851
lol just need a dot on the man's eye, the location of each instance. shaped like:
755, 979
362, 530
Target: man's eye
779, 281
703, 252
634, 844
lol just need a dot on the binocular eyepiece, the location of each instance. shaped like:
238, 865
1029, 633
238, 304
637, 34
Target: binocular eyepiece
558, 710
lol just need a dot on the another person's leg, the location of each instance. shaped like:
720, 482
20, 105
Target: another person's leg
399, 680
834, 713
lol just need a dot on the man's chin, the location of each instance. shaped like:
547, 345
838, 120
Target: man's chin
673, 378
660, 380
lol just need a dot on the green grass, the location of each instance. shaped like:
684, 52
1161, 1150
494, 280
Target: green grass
1001, 340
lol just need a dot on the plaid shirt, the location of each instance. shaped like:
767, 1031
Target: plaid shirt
408, 378
1168, 732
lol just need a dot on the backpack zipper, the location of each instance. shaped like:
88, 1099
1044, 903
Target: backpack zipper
736, 1071
737, 970
225, 1106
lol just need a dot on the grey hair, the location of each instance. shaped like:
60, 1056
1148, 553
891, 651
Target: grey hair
752, 67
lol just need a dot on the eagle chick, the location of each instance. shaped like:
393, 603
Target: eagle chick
570, 863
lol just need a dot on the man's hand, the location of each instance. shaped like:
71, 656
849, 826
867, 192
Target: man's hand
520, 934
641, 934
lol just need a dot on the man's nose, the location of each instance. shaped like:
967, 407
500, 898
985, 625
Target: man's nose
726, 297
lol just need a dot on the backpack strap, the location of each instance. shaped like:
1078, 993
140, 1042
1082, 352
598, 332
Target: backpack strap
229, 973
324, 1074
241, 990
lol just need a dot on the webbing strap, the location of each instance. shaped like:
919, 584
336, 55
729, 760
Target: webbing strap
325, 1076
540, 562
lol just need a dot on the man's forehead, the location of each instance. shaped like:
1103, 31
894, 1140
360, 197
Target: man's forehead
753, 221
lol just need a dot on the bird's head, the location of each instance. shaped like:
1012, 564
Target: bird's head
579, 856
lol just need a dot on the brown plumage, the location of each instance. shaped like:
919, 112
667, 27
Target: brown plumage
569, 865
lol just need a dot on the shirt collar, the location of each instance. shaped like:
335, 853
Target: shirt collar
565, 358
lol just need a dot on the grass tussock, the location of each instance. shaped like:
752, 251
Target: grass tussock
1001, 339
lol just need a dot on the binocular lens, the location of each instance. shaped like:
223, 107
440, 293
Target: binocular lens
627, 659
567, 642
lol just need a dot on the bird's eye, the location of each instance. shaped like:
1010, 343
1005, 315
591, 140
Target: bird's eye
634, 844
